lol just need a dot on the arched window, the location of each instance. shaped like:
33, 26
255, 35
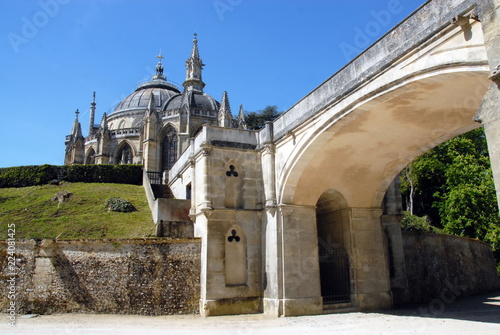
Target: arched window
169, 149
125, 155
90, 157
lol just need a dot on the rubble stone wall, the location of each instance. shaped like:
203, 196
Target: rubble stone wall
136, 276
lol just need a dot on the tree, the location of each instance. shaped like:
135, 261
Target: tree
407, 178
257, 120
453, 185
421, 181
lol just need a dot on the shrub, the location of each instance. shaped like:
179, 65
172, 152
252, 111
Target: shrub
22, 176
105, 173
417, 223
119, 205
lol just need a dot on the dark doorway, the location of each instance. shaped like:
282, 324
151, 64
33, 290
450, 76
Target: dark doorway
334, 275
332, 217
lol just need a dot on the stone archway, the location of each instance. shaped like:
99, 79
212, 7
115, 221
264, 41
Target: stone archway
125, 155
359, 155
332, 219
90, 157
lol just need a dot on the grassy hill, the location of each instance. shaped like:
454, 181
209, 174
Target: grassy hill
83, 215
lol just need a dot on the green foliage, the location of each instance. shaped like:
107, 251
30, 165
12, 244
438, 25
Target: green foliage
23, 176
119, 205
458, 161
257, 120
417, 223
104, 173
83, 215
453, 186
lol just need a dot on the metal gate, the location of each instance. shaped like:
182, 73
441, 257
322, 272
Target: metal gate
334, 275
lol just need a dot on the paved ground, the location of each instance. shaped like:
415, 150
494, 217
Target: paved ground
476, 315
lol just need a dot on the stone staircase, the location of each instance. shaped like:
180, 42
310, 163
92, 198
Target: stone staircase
170, 215
162, 191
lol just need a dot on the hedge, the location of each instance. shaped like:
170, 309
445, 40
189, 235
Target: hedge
22, 176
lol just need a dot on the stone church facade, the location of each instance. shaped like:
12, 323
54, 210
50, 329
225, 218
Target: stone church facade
154, 124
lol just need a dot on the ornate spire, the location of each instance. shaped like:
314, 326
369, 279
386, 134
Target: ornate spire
151, 105
242, 123
194, 67
159, 68
92, 115
225, 116
104, 123
194, 51
76, 131
75, 144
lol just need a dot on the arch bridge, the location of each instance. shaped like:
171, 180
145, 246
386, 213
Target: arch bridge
326, 166
337, 150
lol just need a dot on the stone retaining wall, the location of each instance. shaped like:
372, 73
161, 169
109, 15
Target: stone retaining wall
162, 276
136, 276
446, 267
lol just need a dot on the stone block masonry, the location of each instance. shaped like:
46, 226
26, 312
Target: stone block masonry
133, 276
446, 267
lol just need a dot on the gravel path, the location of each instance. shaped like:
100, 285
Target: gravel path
473, 315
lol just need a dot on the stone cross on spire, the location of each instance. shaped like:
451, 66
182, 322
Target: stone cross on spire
194, 67
159, 68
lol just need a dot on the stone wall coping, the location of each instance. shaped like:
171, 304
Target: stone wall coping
446, 236
139, 241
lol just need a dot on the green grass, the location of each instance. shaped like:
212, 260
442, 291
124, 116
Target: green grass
83, 215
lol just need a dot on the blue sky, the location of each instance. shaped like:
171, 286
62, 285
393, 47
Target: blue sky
55, 53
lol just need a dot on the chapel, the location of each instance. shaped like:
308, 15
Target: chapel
153, 125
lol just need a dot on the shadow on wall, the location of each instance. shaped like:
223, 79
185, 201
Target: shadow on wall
71, 280
140, 276
443, 268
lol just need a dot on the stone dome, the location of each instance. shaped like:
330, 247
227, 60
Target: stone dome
197, 100
139, 99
